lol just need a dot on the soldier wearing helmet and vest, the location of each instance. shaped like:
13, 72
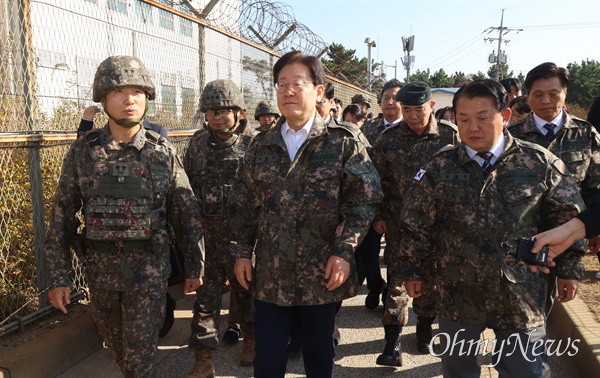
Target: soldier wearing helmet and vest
266, 114
212, 160
131, 187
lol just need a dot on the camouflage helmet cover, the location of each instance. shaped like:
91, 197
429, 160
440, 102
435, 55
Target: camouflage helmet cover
221, 94
122, 71
265, 107
361, 98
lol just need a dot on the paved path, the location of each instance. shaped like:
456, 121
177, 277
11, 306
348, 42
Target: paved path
362, 342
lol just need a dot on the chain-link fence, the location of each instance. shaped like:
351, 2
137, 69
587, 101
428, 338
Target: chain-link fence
49, 51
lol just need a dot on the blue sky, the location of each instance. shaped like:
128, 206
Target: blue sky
450, 34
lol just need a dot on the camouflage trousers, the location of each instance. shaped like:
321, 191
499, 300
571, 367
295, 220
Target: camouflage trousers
129, 322
395, 303
205, 323
425, 304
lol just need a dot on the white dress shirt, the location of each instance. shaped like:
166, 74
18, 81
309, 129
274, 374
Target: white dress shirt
294, 139
539, 123
496, 150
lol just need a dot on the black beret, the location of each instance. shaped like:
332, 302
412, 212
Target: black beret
414, 94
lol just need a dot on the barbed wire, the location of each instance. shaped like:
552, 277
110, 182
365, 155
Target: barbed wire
271, 24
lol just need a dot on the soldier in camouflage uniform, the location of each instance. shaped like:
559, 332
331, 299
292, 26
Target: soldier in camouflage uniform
367, 254
130, 186
211, 161
572, 139
307, 195
402, 149
467, 207
266, 114
365, 104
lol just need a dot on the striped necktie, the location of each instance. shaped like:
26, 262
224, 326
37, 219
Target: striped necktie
487, 162
550, 130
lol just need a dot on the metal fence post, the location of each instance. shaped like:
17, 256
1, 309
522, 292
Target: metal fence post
35, 167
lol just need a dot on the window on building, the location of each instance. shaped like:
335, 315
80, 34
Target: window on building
168, 98
165, 19
117, 5
185, 27
188, 103
92, 1
143, 11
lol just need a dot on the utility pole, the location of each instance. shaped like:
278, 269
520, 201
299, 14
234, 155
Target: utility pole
383, 66
500, 57
370, 43
408, 45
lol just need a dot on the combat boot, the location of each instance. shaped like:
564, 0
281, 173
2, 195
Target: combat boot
247, 355
204, 367
424, 333
392, 353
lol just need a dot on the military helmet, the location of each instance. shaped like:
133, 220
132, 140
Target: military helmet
221, 94
265, 107
122, 71
361, 98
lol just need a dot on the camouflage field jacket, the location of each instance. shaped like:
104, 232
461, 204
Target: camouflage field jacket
302, 212
471, 225
172, 197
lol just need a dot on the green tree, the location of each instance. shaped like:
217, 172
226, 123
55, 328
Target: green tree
503, 72
441, 80
585, 82
459, 79
478, 76
343, 63
424, 76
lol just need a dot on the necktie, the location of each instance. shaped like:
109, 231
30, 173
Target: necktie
550, 128
487, 162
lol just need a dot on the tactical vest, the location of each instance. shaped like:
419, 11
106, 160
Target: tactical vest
124, 201
212, 176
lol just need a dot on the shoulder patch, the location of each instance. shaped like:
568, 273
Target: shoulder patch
419, 174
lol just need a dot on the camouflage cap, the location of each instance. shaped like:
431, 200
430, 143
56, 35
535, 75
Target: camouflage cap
221, 94
357, 98
122, 71
414, 94
265, 107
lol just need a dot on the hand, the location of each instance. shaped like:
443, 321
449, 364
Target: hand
90, 112
566, 289
243, 272
337, 272
560, 238
414, 288
380, 227
593, 245
60, 297
544, 269
191, 285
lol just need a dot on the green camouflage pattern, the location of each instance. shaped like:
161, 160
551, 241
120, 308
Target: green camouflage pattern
373, 130
469, 225
212, 165
358, 98
119, 72
144, 315
221, 94
265, 107
577, 144
301, 213
141, 271
398, 155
